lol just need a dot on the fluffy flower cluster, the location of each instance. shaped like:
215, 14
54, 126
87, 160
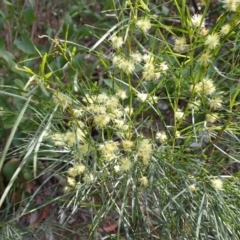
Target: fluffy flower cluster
178, 114
126, 164
225, 29
127, 66
161, 136
180, 45
136, 57
151, 71
127, 145
143, 180
109, 150
123, 152
194, 105
197, 20
211, 118
62, 99
107, 110
144, 24
204, 31
116, 41
144, 150
145, 96
104, 111
78, 169
192, 188
68, 139
230, 5
205, 87
205, 58
76, 177
217, 184
215, 103
212, 41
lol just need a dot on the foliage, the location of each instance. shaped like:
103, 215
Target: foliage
134, 116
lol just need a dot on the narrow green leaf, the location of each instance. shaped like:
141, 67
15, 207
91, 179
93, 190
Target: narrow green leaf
48, 75
6, 148
7, 3
42, 69
200, 214
106, 35
28, 70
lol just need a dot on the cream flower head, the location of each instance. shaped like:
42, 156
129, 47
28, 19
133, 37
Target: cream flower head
197, 20
144, 181
192, 188
205, 58
125, 164
211, 118
161, 136
180, 44
217, 184
179, 114
225, 29
116, 42
230, 5
212, 41
144, 24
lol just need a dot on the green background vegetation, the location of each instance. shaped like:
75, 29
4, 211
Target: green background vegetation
51, 47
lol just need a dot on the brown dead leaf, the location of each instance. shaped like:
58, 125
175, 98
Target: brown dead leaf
14, 160
46, 211
110, 228
30, 186
33, 217
16, 197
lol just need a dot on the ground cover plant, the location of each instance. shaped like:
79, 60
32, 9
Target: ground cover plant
123, 129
